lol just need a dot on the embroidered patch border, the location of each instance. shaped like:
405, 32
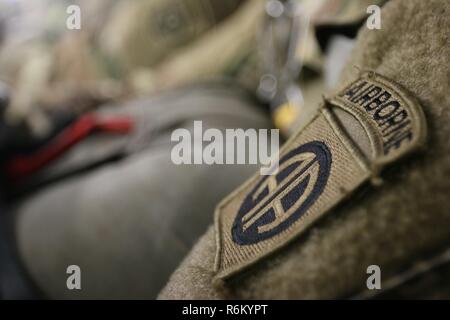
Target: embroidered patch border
319, 167
401, 128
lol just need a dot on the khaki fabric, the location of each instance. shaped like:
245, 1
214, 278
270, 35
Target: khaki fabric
143, 34
392, 225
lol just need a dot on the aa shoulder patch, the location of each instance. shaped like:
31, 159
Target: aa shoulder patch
370, 123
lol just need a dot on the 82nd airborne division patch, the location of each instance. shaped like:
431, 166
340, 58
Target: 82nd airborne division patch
369, 124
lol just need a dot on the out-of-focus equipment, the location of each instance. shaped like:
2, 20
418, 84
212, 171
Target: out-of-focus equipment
284, 26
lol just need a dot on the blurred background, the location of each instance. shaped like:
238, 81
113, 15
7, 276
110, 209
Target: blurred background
124, 48
86, 119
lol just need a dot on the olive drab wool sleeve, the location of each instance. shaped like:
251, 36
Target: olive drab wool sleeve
370, 179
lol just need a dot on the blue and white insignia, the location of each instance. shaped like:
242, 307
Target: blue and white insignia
277, 201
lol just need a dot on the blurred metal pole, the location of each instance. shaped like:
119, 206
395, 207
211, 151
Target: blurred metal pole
284, 26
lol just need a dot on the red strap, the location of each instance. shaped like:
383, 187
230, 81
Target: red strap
23, 165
